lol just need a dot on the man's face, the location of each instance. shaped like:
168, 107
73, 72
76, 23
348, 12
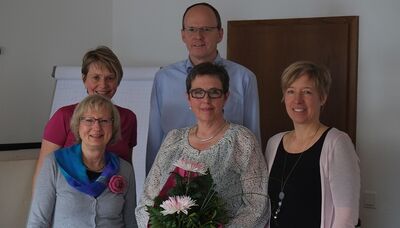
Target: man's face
201, 35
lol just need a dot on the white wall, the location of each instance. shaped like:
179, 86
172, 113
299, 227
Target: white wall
146, 33
378, 138
35, 36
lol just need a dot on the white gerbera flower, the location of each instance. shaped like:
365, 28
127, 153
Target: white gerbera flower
177, 204
191, 166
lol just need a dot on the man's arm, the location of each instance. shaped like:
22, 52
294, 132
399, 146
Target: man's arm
252, 107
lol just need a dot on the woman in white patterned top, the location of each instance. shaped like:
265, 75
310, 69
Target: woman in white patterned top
230, 151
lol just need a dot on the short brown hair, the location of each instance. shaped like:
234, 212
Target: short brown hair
103, 56
211, 69
96, 102
317, 73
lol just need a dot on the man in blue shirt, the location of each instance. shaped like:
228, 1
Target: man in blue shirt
169, 108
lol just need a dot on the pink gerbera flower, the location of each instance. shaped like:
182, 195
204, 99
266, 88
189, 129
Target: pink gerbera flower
177, 204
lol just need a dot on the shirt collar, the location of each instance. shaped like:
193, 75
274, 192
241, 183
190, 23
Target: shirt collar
189, 65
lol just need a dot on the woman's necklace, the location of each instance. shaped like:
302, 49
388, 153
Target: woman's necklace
281, 194
203, 140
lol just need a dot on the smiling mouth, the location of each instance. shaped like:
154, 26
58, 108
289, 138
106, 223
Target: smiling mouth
97, 136
206, 109
199, 45
299, 109
107, 94
101, 92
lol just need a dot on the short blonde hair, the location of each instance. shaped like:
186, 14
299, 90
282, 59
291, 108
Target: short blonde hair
105, 57
318, 74
96, 102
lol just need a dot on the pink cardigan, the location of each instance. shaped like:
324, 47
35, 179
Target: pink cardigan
340, 178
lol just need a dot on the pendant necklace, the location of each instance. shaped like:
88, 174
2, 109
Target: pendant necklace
211, 137
281, 194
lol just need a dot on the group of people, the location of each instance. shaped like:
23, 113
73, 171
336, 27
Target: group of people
307, 177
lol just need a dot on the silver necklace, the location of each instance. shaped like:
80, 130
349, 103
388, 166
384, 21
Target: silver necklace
281, 194
211, 137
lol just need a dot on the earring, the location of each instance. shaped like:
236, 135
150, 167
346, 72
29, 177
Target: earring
190, 107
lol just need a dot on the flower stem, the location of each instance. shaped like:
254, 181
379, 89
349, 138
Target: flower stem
188, 182
208, 197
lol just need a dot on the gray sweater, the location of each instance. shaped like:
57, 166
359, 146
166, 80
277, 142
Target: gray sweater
56, 204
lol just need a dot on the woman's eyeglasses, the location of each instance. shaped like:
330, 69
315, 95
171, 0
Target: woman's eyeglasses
90, 121
199, 93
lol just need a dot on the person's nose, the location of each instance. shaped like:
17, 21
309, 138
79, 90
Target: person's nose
198, 34
207, 98
103, 83
96, 124
298, 97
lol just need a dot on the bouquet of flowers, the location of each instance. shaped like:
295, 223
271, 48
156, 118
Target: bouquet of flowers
188, 199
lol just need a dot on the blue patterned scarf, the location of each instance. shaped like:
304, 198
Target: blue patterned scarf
70, 163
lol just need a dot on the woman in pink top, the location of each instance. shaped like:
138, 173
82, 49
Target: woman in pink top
101, 74
314, 171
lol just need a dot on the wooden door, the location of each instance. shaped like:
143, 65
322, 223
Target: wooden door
267, 47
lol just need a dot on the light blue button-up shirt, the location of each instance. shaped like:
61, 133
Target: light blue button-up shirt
169, 108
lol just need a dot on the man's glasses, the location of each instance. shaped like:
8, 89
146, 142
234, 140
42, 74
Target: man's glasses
213, 93
90, 121
195, 30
